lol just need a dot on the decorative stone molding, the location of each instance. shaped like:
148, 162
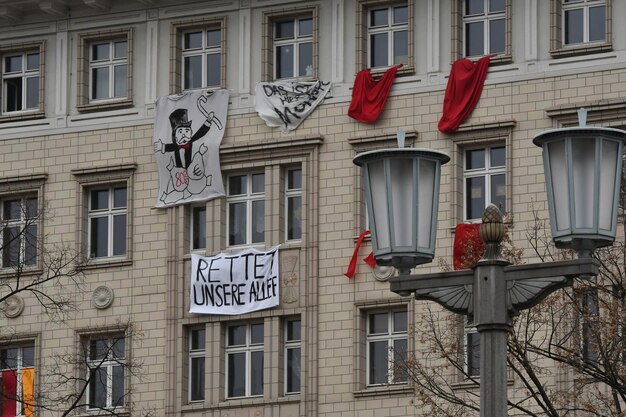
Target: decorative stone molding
13, 306
102, 297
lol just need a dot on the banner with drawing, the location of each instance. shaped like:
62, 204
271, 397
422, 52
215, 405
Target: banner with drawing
234, 283
286, 104
188, 130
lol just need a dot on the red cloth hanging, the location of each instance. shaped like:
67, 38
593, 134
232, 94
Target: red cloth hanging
9, 393
369, 95
369, 260
465, 85
468, 246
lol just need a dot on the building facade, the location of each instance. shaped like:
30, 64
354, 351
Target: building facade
80, 79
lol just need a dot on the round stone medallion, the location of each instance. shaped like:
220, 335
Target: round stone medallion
13, 306
102, 297
383, 273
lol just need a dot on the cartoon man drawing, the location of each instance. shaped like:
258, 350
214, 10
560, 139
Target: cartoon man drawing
187, 170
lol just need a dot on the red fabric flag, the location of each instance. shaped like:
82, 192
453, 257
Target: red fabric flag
468, 246
352, 267
369, 95
465, 85
370, 260
9, 393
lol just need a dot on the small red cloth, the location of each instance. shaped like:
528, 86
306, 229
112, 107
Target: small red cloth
369, 95
468, 246
9, 393
369, 260
465, 85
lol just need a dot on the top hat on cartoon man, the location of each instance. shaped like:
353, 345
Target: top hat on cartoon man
178, 118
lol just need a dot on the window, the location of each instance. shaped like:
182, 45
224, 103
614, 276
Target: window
198, 227
20, 221
293, 48
108, 69
105, 359
580, 27
589, 311
484, 27
197, 352
105, 70
246, 209
290, 46
17, 380
292, 356
293, 195
388, 36
244, 360
386, 346
484, 176
202, 58
471, 349
20, 81
107, 219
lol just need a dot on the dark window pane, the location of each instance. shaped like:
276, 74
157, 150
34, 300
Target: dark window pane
498, 191
400, 47
10, 246
98, 349
30, 247
237, 223
258, 221
236, 374
119, 197
474, 7
474, 39
237, 184
118, 386
475, 159
8, 358
475, 198
99, 200
28, 356
378, 362
100, 51
119, 235
378, 323
294, 218
193, 71
213, 68
258, 183
496, 36
379, 17
236, 335
198, 338
12, 210
399, 321
285, 30
573, 26
31, 208
256, 334
305, 59
197, 379
32, 92
294, 179
32, 61
214, 38
293, 370
400, 15
199, 228
305, 27
192, 40
597, 23
100, 83
13, 63
399, 359
121, 49
379, 50
13, 91
97, 388
293, 330
498, 157
121, 80
118, 347
473, 354
496, 5
99, 237
256, 373
284, 61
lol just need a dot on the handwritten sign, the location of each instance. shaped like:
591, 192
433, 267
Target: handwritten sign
234, 283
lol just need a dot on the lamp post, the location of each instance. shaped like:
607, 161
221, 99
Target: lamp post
582, 167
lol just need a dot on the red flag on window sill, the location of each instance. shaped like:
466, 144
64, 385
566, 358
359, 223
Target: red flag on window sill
369, 95
468, 246
465, 85
369, 260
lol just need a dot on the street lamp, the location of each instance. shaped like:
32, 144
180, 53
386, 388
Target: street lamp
583, 168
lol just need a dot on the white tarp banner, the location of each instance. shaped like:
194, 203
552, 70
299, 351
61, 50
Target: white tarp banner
286, 104
188, 130
234, 283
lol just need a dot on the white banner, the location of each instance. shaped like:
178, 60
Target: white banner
188, 130
234, 283
286, 104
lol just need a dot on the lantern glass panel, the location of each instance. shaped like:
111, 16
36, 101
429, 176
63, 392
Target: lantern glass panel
402, 201
583, 172
560, 190
608, 168
378, 189
425, 198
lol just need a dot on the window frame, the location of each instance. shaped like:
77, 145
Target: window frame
19, 368
108, 362
290, 194
487, 172
110, 212
270, 18
249, 197
85, 102
486, 17
248, 348
23, 49
296, 41
193, 209
178, 29
558, 47
199, 353
390, 337
390, 29
22, 223
289, 345
470, 369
